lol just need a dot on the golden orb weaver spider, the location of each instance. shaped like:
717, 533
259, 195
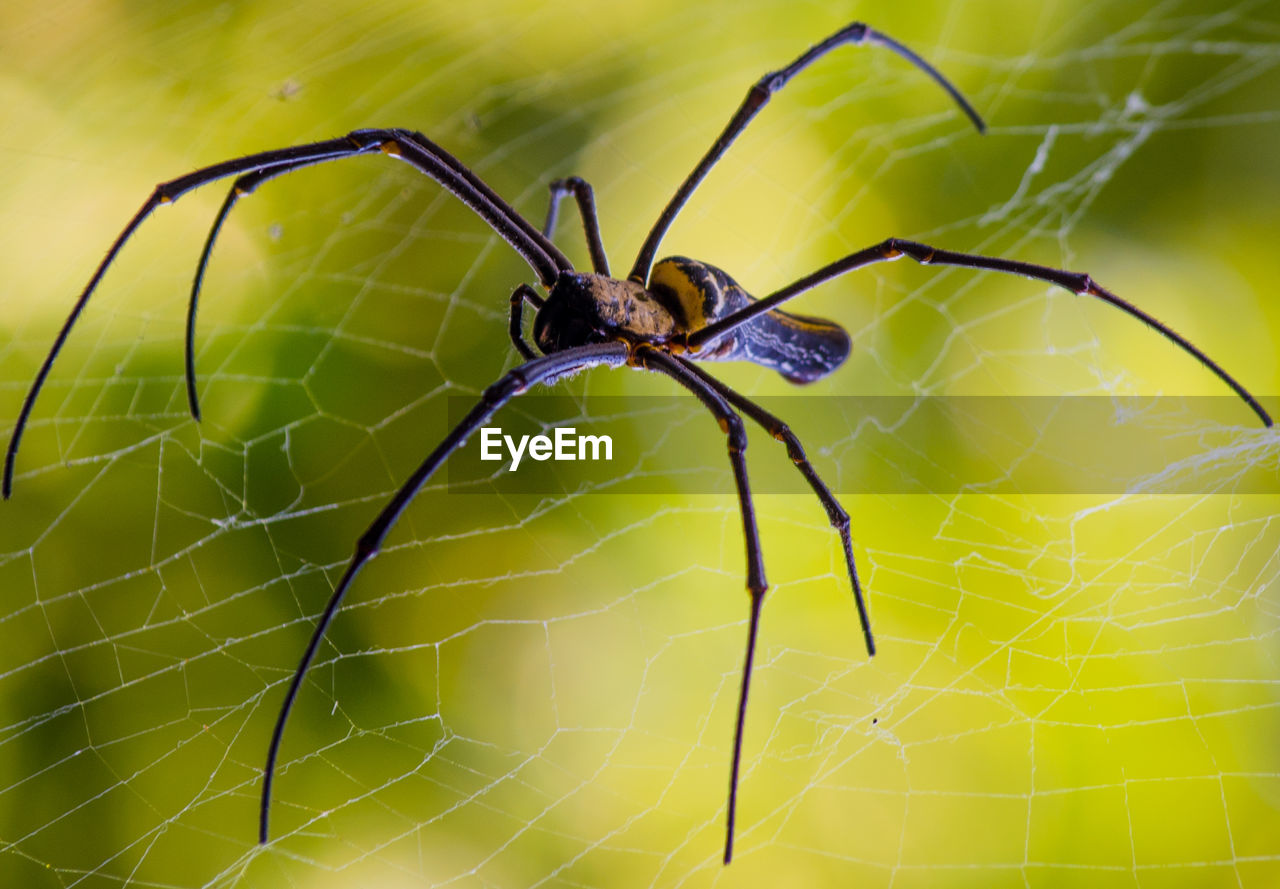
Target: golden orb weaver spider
662, 317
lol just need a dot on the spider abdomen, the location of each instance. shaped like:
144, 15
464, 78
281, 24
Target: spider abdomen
800, 347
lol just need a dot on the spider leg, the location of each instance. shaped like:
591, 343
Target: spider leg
541, 370
731, 423
892, 248
544, 243
250, 181
582, 193
835, 512
761, 91
524, 293
413, 148
241, 187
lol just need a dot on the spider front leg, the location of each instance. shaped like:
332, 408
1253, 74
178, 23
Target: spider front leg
731, 424
248, 182
411, 147
243, 186
836, 513
581, 191
854, 34
542, 370
524, 293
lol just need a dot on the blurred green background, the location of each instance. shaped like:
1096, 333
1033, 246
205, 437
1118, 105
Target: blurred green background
531, 690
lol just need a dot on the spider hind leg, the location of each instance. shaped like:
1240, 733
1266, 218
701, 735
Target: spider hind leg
836, 514
757, 585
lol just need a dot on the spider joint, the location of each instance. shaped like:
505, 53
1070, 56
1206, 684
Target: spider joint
635, 354
367, 546
512, 384
1086, 285
921, 253
732, 426
681, 344
771, 83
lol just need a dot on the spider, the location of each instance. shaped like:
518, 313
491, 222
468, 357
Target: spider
664, 317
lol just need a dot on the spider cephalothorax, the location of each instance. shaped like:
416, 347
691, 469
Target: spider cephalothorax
593, 308
661, 318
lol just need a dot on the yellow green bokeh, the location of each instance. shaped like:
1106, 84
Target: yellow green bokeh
540, 690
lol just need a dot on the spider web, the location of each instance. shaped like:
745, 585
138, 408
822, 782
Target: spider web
539, 689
